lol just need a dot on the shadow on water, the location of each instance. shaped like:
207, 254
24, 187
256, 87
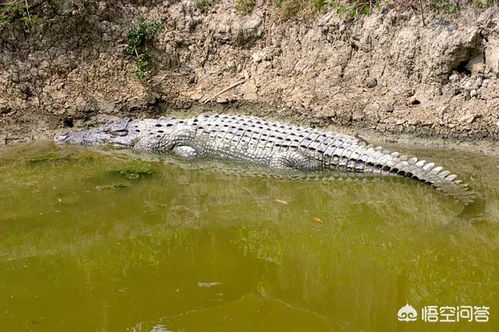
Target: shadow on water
473, 212
94, 241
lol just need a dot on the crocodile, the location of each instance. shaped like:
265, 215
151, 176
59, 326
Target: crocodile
271, 144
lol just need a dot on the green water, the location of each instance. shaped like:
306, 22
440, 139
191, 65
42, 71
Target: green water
99, 242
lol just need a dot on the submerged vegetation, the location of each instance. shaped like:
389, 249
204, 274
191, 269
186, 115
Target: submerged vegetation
51, 156
139, 37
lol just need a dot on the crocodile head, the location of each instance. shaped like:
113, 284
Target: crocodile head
143, 133
113, 133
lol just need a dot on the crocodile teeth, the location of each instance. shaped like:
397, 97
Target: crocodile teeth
412, 160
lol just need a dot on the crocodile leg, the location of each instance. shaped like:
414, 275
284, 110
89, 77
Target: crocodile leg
294, 160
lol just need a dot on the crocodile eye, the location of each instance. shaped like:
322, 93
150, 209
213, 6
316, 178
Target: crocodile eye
62, 136
119, 132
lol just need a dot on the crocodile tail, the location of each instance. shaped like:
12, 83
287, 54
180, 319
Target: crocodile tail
421, 170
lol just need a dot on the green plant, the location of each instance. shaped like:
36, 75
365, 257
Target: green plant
484, 3
320, 5
15, 10
3, 21
20, 10
355, 8
204, 5
291, 8
450, 6
244, 7
139, 37
143, 62
57, 5
350, 8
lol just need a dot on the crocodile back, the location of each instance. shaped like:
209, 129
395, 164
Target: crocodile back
259, 140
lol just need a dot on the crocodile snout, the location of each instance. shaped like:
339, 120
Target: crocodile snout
61, 137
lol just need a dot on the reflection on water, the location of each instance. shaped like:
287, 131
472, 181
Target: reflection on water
97, 242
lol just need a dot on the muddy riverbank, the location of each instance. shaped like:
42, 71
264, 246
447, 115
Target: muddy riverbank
385, 75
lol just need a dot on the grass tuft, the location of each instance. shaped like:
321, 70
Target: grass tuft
244, 7
139, 36
204, 5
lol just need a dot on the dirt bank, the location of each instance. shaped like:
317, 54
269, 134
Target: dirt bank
375, 75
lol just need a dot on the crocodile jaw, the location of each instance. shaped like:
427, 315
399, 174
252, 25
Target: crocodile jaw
94, 137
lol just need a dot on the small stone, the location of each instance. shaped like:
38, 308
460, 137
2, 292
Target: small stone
108, 107
454, 77
197, 96
442, 110
449, 90
252, 24
370, 82
473, 93
5, 110
257, 57
245, 74
468, 118
492, 55
45, 64
306, 102
413, 101
248, 32
223, 100
106, 37
468, 85
231, 66
478, 83
476, 64
357, 115
389, 108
